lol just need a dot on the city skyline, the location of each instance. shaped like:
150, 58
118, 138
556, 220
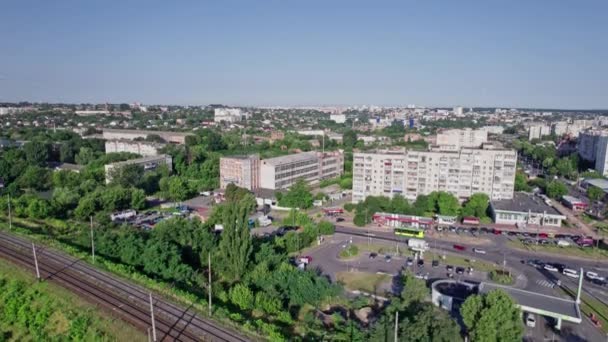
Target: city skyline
530, 55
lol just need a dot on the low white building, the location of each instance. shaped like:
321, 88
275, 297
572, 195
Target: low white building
524, 209
338, 118
148, 163
143, 148
229, 115
282, 172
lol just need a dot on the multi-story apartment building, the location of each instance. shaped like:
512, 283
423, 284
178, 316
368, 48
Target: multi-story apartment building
412, 173
242, 171
537, 131
454, 139
143, 148
228, 115
148, 163
132, 134
282, 172
593, 146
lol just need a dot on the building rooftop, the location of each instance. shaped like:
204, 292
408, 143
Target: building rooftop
241, 156
141, 131
524, 202
572, 199
535, 300
598, 182
291, 158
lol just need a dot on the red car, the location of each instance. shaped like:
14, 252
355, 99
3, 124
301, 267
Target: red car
459, 247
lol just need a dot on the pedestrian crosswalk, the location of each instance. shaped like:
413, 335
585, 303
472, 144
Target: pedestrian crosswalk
545, 283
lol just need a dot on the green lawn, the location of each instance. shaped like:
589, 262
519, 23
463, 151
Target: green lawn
349, 252
455, 260
67, 310
586, 252
591, 305
385, 249
367, 282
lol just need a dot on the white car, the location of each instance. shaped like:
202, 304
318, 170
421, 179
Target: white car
530, 320
570, 273
479, 251
551, 268
563, 243
594, 276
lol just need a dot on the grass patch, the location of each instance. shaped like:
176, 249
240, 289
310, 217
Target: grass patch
501, 277
385, 249
350, 251
583, 252
591, 305
367, 282
64, 314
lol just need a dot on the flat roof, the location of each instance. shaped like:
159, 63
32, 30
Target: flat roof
523, 202
572, 199
141, 131
598, 182
290, 158
551, 304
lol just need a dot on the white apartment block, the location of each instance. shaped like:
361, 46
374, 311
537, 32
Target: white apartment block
242, 171
455, 139
148, 163
337, 118
143, 148
228, 115
537, 131
593, 146
282, 172
493, 129
132, 134
413, 173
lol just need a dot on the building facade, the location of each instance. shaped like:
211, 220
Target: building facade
228, 115
148, 163
537, 131
143, 148
132, 134
524, 209
242, 171
337, 118
455, 139
593, 146
282, 172
413, 173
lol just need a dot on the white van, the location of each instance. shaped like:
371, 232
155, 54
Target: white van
570, 273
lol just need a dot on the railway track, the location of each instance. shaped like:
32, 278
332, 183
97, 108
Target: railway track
131, 302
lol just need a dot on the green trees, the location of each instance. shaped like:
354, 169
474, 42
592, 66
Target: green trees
298, 196
594, 193
36, 153
349, 139
414, 290
241, 296
175, 188
127, 175
492, 317
235, 246
326, 228
445, 203
521, 182
477, 206
556, 189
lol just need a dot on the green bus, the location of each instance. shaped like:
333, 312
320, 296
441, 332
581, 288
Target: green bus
411, 232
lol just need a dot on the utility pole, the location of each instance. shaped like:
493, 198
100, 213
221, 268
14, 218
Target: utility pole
152, 318
36, 261
92, 240
209, 261
397, 326
10, 216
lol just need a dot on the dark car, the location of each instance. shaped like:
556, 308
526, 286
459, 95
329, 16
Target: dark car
459, 247
340, 219
534, 263
373, 255
420, 263
459, 270
449, 268
435, 263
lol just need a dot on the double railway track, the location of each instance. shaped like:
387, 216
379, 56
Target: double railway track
127, 300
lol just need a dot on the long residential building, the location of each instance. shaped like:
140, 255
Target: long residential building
148, 163
132, 134
455, 139
412, 173
143, 148
242, 171
282, 172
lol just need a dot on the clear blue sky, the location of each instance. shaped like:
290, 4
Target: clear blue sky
443, 53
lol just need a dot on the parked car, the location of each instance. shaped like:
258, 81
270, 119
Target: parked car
479, 251
449, 268
373, 255
459, 270
530, 320
420, 263
340, 219
550, 268
563, 243
435, 263
409, 261
388, 258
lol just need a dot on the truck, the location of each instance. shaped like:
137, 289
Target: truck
418, 245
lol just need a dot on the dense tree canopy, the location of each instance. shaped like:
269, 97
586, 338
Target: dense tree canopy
492, 317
